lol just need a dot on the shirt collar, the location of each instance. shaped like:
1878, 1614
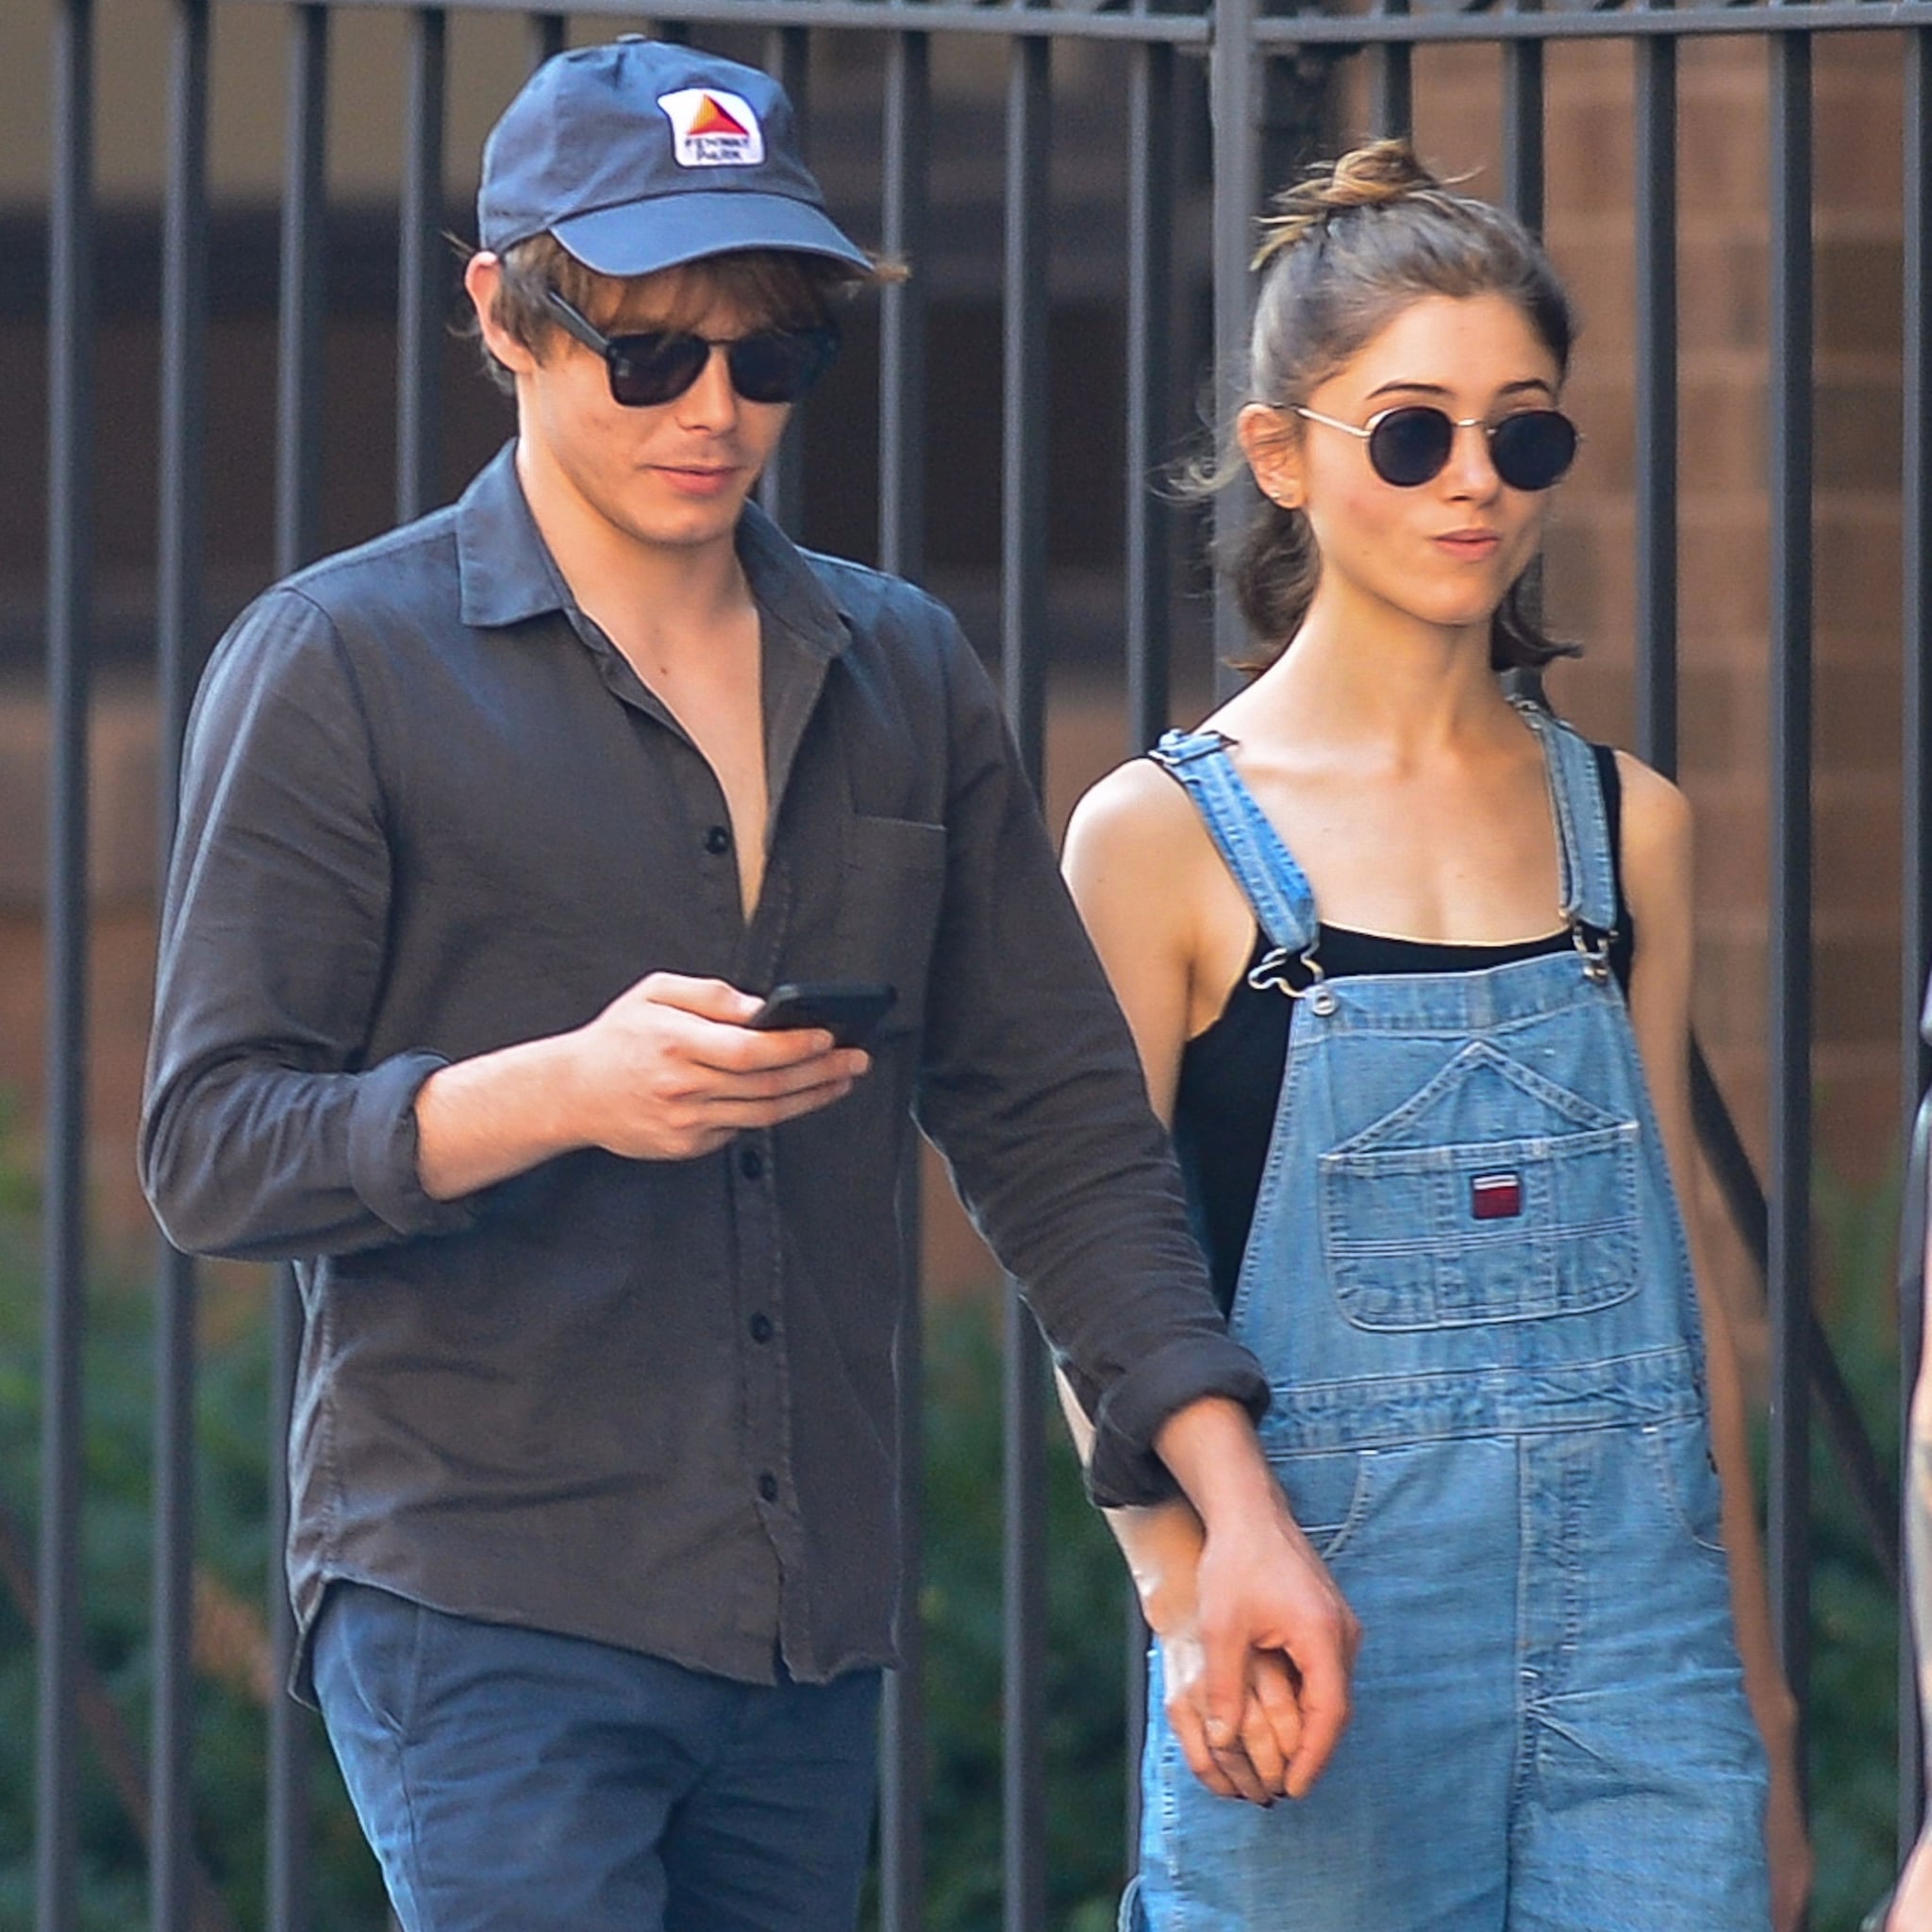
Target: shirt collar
508, 574
504, 566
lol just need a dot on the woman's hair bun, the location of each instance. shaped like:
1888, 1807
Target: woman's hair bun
1372, 175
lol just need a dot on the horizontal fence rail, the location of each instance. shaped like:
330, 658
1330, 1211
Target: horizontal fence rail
1217, 76
1631, 21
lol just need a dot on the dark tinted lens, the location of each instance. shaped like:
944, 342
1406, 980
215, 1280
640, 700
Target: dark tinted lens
1408, 447
779, 365
650, 369
1533, 448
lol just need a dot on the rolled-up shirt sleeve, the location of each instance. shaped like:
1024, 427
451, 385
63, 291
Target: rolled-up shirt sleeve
1032, 1090
1123, 1468
264, 1133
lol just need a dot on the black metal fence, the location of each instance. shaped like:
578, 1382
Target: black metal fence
1252, 82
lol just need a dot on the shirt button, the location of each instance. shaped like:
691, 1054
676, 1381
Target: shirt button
717, 841
750, 1163
767, 1487
761, 1327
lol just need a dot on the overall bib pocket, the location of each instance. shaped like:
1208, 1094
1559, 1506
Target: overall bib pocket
1492, 1194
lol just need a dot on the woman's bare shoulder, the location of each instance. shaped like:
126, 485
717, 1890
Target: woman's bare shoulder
1655, 837
1136, 808
1655, 815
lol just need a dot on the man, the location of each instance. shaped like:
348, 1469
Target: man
491, 832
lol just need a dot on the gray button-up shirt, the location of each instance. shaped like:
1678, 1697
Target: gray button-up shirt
427, 812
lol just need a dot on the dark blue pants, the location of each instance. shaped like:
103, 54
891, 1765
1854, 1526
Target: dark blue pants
514, 1781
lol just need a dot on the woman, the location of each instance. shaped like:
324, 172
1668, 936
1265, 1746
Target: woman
1909, 1907
1408, 968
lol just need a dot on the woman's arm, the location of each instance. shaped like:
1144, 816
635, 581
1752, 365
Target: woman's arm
1135, 858
1657, 847
1911, 1904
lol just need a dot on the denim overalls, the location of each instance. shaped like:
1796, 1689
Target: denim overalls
1468, 1281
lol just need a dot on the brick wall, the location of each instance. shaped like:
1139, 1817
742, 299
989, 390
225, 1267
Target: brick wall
1724, 591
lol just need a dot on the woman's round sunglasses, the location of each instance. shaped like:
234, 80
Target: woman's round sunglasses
1531, 449
769, 365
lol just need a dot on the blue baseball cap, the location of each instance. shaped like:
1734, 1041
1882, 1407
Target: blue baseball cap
637, 155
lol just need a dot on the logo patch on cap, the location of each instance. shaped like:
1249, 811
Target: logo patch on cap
1496, 1196
711, 128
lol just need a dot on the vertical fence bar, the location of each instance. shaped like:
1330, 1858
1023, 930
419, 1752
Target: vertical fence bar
1790, 462
1391, 98
419, 268
1523, 126
1234, 88
298, 503
905, 224
1656, 401
548, 37
305, 215
903, 211
1522, 194
171, 1901
781, 489
902, 1714
1149, 658
70, 619
288, 1736
1150, 387
1915, 888
1026, 312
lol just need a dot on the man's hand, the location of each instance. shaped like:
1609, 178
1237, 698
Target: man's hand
1264, 1591
670, 1070
1256, 1765
666, 1071
1260, 1590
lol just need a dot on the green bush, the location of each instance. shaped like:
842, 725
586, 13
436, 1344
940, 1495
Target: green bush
1086, 1655
1087, 1662
232, 1555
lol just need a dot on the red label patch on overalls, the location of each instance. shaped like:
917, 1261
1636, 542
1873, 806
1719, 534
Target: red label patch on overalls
1496, 1196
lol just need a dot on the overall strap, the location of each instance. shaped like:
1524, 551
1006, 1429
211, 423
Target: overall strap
1263, 866
1583, 826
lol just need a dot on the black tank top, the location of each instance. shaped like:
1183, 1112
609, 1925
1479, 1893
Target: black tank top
1230, 1079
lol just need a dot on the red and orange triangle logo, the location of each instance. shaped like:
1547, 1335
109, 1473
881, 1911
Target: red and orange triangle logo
711, 118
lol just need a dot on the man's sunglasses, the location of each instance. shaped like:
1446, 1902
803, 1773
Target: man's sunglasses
771, 365
1531, 449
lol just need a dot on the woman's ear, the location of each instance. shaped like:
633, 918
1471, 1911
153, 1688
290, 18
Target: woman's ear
1273, 450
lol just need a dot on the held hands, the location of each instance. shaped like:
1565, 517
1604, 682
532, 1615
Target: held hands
1261, 1713
669, 1070
1278, 1644
1257, 1647
1257, 1764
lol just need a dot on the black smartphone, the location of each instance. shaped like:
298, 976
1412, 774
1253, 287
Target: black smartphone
848, 1010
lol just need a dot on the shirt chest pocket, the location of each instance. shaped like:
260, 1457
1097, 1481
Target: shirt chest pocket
895, 875
1492, 1194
